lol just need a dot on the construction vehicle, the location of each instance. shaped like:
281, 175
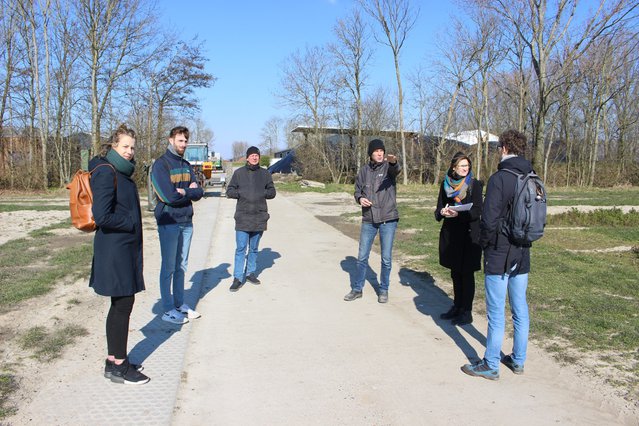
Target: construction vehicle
207, 165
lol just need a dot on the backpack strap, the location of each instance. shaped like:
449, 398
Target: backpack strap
115, 175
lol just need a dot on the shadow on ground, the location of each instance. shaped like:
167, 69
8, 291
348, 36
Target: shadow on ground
156, 331
349, 265
432, 301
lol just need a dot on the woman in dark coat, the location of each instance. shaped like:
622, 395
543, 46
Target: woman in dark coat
459, 248
116, 270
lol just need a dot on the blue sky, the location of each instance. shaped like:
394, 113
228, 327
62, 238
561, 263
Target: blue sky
247, 41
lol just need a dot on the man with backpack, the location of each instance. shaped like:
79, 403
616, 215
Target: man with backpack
506, 259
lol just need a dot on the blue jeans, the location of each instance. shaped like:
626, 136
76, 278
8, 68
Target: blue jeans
366, 237
496, 288
175, 242
243, 240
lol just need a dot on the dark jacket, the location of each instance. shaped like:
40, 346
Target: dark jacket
251, 186
377, 183
459, 237
169, 173
117, 264
500, 256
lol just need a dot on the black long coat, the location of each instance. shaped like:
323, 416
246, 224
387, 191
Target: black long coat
459, 247
117, 246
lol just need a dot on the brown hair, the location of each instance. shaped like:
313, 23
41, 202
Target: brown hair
179, 130
457, 158
514, 141
122, 129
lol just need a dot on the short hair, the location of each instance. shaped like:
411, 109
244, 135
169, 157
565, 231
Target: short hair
514, 141
179, 130
457, 158
122, 129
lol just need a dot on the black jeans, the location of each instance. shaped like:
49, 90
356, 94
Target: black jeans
117, 325
463, 288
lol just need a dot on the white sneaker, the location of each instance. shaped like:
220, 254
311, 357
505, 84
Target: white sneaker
190, 313
175, 316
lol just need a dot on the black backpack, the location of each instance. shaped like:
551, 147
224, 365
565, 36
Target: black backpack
526, 217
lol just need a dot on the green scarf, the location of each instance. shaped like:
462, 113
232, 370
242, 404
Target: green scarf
122, 165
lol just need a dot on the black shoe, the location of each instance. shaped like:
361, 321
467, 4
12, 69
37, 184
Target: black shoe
464, 318
353, 295
236, 285
452, 313
110, 365
382, 297
253, 279
126, 374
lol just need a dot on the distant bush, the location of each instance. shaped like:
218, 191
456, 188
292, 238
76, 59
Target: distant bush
600, 217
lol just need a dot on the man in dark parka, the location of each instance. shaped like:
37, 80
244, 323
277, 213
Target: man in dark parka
506, 265
251, 186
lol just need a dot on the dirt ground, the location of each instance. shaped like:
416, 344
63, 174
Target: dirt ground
71, 302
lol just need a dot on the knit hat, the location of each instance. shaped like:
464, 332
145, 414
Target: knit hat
252, 150
374, 145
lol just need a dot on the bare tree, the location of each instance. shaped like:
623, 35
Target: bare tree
239, 149
542, 25
271, 135
352, 55
174, 84
118, 37
396, 18
458, 66
306, 88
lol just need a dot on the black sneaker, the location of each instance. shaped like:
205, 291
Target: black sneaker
464, 318
126, 374
509, 362
110, 365
236, 285
253, 279
452, 313
353, 295
382, 297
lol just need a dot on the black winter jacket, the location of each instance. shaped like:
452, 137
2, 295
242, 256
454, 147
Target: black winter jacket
377, 183
117, 264
459, 248
500, 256
251, 186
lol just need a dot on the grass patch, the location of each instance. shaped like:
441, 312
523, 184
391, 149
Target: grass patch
626, 196
5, 208
296, 187
30, 267
48, 345
8, 385
599, 217
45, 231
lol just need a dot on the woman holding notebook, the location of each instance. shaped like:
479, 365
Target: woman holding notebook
459, 205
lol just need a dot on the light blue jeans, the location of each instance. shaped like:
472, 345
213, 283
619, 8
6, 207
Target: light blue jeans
243, 240
496, 288
366, 237
175, 242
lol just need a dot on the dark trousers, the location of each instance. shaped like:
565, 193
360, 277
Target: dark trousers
117, 325
463, 288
